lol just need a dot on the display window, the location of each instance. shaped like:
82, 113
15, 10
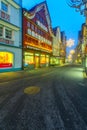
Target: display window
6, 59
47, 59
29, 58
42, 59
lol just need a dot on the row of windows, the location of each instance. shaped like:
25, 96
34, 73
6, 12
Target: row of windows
38, 31
8, 33
32, 33
34, 42
41, 19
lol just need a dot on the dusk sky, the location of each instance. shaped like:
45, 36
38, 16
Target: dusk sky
63, 16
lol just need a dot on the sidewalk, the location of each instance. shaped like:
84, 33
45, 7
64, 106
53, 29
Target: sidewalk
7, 76
84, 75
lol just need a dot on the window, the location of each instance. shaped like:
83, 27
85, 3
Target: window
32, 27
39, 31
1, 31
4, 7
37, 16
36, 29
28, 24
8, 34
6, 59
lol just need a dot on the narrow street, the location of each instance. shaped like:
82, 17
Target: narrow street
53, 98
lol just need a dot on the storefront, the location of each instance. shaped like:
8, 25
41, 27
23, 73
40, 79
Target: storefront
6, 60
29, 60
10, 58
42, 60
35, 59
54, 60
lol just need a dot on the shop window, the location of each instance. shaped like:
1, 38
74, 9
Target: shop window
4, 7
6, 59
1, 31
8, 33
42, 59
29, 59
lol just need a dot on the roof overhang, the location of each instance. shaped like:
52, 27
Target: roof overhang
12, 3
9, 25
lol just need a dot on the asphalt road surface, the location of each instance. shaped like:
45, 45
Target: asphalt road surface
53, 98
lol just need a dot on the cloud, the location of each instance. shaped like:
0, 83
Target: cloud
70, 42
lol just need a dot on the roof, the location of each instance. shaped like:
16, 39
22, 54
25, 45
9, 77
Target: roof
36, 6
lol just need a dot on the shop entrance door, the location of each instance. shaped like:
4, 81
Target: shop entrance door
36, 61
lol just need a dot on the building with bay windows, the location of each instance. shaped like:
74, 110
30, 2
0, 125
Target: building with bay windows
10, 35
37, 37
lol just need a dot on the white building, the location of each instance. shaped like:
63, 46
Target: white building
55, 59
10, 35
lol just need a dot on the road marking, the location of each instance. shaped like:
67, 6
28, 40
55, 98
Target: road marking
32, 90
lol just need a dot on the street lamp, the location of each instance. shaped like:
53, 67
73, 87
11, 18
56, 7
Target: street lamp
81, 6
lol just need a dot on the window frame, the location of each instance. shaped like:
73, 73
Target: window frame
2, 31
8, 36
4, 7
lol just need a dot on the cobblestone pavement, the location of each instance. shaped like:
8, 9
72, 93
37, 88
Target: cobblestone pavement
46, 99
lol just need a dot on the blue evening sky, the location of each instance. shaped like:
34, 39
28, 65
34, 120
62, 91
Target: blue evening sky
62, 15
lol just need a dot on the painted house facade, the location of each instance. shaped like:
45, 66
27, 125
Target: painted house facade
55, 59
37, 37
10, 35
63, 48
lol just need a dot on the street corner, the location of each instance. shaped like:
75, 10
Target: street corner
31, 90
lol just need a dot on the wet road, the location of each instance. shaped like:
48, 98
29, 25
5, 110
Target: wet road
54, 98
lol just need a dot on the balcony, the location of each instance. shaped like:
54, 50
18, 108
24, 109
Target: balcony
6, 41
4, 16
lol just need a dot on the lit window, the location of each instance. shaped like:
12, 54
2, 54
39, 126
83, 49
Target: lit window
8, 34
6, 59
1, 31
4, 7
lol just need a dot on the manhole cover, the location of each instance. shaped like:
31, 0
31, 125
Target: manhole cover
32, 90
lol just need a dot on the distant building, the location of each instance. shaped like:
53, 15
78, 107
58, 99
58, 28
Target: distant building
10, 35
63, 47
37, 37
55, 59
83, 41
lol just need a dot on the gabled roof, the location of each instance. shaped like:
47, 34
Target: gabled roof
44, 3
55, 30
